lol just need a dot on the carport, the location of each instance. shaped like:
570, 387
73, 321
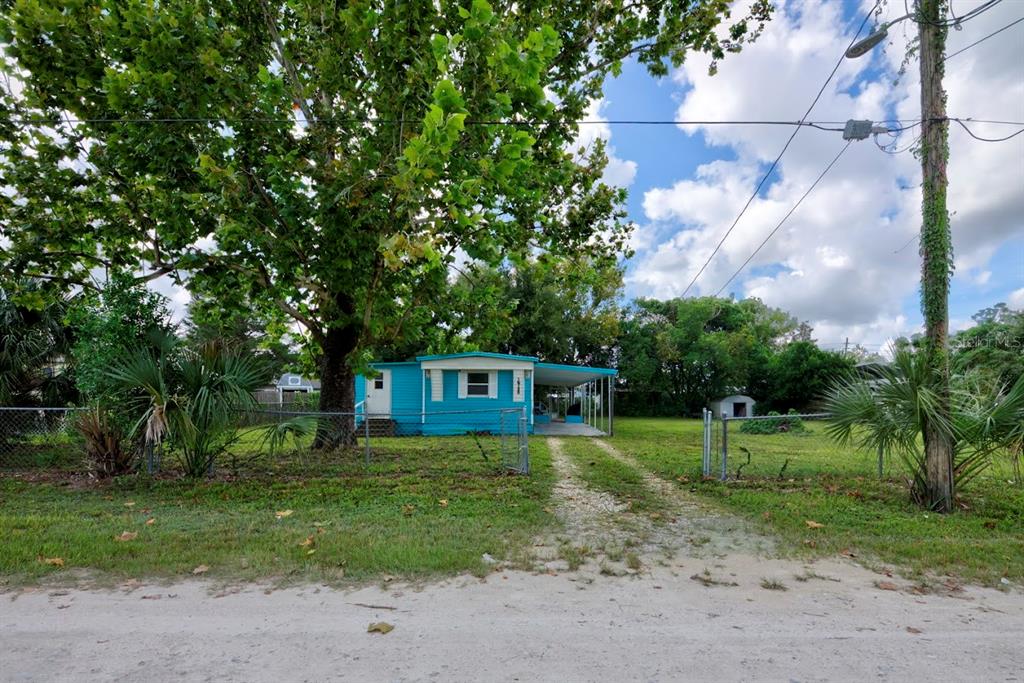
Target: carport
573, 400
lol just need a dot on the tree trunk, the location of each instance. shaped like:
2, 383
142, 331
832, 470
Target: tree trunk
936, 250
337, 389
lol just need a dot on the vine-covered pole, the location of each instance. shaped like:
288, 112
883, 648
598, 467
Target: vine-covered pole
936, 248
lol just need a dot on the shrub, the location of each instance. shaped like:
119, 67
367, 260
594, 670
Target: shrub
191, 398
783, 424
106, 450
888, 411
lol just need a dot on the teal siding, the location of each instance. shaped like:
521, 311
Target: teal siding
483, 415
360, 389
410, 395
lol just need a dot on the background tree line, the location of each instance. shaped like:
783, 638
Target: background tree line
674, 357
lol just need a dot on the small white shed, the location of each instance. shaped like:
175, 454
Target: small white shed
736, 405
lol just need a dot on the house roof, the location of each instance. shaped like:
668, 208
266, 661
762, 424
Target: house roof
477, 354
550, 374
554, 374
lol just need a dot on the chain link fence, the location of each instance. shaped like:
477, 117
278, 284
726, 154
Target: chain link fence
785, 446
290, 443
39, 438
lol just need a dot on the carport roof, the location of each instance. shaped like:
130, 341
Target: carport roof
555, 375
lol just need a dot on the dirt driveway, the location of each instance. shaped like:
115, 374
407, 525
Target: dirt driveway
705, 602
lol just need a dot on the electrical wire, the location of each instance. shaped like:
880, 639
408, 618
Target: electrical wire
820, 125
983, 39
956, 21
978, 137
775, 163
786, 217
832, 126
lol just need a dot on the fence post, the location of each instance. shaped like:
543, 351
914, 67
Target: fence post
366, 432
705, 462
725, 447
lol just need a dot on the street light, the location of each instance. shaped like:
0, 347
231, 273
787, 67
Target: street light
862, 47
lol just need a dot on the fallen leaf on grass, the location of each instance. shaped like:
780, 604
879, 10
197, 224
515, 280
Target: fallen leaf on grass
408, 509
443, 502
201, 569
846, 552
281, 514
911, 629
52, 561
128, 536
381, 627
150, 522
886, 586
811, 524
308, 543
130, 504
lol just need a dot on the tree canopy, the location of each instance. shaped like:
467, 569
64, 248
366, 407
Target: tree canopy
328, 161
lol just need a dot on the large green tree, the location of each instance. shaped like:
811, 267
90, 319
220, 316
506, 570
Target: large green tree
330, 160
34, 347
994, 347
677, 356
562, 310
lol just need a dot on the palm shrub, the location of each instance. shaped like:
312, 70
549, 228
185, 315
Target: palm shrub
888, 411
190, 398
106, 449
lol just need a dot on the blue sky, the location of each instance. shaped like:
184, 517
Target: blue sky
842, 261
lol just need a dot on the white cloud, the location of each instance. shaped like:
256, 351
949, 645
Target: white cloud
620, 172
846, 260
1016, 300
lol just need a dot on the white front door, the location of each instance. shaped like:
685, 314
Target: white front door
378, 394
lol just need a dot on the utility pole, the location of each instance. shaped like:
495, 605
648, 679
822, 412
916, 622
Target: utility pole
936, 243
936, 249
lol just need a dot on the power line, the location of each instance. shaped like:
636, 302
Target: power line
978, 137
779, 158
786, 217
904, 124
982, 40
956, 20
377, 121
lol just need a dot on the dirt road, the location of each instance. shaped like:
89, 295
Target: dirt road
660, 626
705, 604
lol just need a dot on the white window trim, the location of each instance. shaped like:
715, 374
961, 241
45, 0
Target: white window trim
492, 384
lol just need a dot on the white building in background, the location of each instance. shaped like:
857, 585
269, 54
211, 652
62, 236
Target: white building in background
736, 405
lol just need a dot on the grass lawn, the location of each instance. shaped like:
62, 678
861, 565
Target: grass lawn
415, 514
861, 514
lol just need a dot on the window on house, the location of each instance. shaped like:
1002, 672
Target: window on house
477, 384
378, 382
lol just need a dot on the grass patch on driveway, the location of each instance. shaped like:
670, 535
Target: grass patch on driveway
429, 514
602, 472
861, 514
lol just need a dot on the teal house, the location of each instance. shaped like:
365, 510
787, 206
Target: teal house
482, 392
